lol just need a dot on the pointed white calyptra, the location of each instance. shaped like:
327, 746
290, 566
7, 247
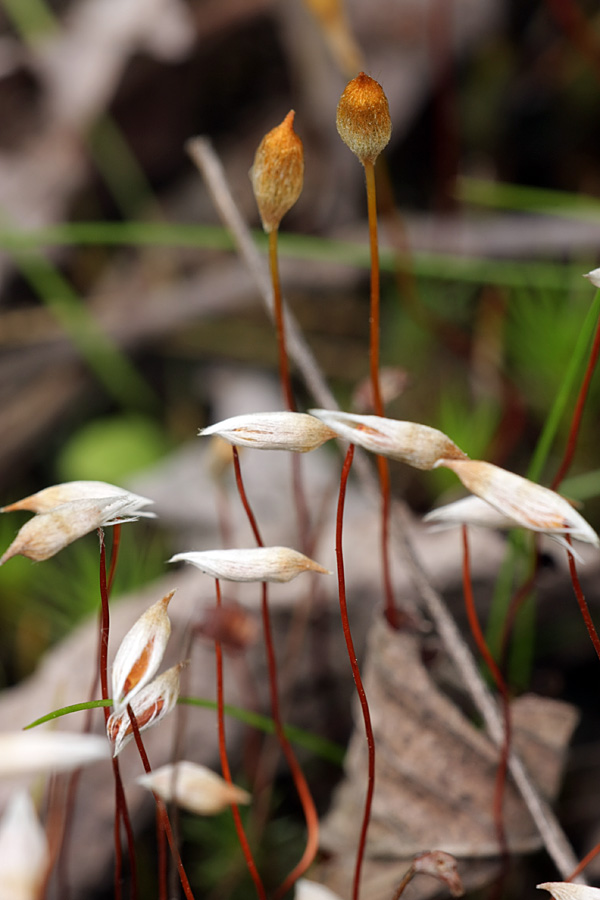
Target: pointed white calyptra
416, 445
564, 890
594, 277
47, 533
528, 504
254, 564
24, 853
23, 752
149, 705
193, 787
140, 653
58, 494
294, 431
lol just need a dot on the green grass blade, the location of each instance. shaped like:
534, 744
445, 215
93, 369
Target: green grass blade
559, 406
67, 710
325, 749
521, 198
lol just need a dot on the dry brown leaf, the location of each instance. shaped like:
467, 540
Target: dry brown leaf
435, 771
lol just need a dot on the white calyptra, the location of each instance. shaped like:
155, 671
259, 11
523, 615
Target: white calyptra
469, 510
58, 494
140, 653
530, 505
594, 277
24, 752
149, 705
273, 431
194, 787
563, 890
416, 445
312, 890
47, 533
24, 853
254, 564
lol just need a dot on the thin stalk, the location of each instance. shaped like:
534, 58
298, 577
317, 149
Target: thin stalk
160, 831
374, 307
585, 612
160, 807
405, 881
302, 789
374, 329
260, 890
73, 783
483, 648
578, 411
284, 370
355, 673
121, 810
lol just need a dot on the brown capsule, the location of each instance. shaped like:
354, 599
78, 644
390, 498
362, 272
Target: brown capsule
278, 173
363, 118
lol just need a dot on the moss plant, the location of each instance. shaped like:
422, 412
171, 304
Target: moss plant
138, 698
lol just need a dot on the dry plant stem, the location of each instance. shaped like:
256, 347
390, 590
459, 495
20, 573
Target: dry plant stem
585, 612
302, 789
208, 163
241, 834
355, 673
160, 807
552, 835
391, 612
578, 412
121, 810
483, 648
406, 879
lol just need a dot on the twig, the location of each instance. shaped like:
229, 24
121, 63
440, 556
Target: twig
552, 835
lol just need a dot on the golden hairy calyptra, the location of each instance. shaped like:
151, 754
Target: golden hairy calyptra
363, 118
277, 174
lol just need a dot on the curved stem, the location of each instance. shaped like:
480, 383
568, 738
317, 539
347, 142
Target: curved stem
585, 612
355, 673
502, 689
578, 412
302, 789
161, 809
244, 498
241, 834
284, 369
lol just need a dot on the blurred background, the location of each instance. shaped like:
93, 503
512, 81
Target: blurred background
122, 303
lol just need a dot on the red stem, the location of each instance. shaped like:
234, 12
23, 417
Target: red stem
114, 555
244, 498
355, 672
483, 648
260, 890
585, 612
161, 809
284, 370
578, 413
121, 810
391, 612
302, 789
